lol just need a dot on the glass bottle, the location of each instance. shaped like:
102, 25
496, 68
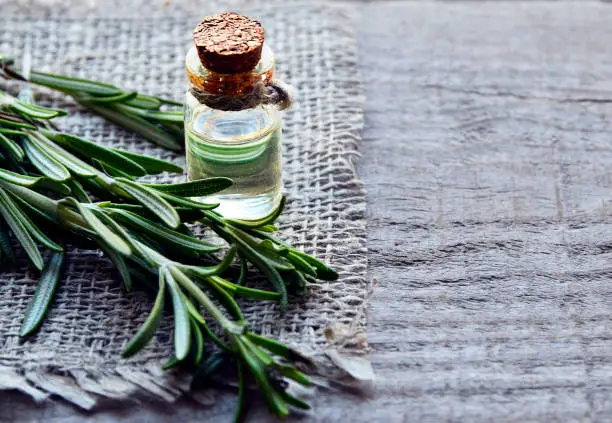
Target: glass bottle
243, 145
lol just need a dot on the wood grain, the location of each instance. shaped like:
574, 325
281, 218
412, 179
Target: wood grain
488, 171
488, 160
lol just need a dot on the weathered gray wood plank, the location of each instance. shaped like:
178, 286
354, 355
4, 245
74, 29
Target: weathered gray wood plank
487, 159
488, 172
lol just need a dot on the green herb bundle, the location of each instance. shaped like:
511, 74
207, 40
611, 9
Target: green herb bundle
48, 176
136, 112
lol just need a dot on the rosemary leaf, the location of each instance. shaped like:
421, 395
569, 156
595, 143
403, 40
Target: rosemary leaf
267, 228
294, 401
257, 294
19, 179
33, 181
169, 102
197, 316
119, 98
44, 162
323, 271
151, 200
14, 121
77, 190
301, 264
150, 164
197, 188
246, 292
272, 398
146, 332
258, 353
271, 218
264, 261
204, 271
6, 249
185, 214
182, 325
279, 349
156, 115
31, 210
11, 147
36, 232
199, 342
274, 248
113, 171
276, 279
225, 298
13, 217
111, 239
36, 112
194, 313
174, 238
103, 154
68, 84
71, 162
28, 110
142, 101
171, 363
188, 203
271, 257
136, 124
295, 375
230, 326
7, 131
244, 271
135, 246
47, 285
120, 264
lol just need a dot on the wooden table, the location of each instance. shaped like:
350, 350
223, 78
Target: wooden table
487, 154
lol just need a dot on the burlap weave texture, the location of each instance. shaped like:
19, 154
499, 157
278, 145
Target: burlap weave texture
92, 319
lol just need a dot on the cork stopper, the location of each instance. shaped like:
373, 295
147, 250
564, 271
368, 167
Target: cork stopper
229, 43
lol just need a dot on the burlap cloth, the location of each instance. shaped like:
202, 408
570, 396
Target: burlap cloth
140, 45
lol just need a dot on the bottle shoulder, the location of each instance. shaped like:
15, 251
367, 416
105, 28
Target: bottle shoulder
220, 126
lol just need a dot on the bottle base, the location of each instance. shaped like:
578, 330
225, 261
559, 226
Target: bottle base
245, 207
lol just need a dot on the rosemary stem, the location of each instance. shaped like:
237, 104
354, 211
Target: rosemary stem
236, 328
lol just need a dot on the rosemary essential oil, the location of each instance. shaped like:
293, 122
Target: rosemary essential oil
232, 117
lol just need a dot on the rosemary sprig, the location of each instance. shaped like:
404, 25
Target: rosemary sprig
137, 112
45, 176
191, 288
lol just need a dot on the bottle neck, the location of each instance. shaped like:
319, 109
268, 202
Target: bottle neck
224, 84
